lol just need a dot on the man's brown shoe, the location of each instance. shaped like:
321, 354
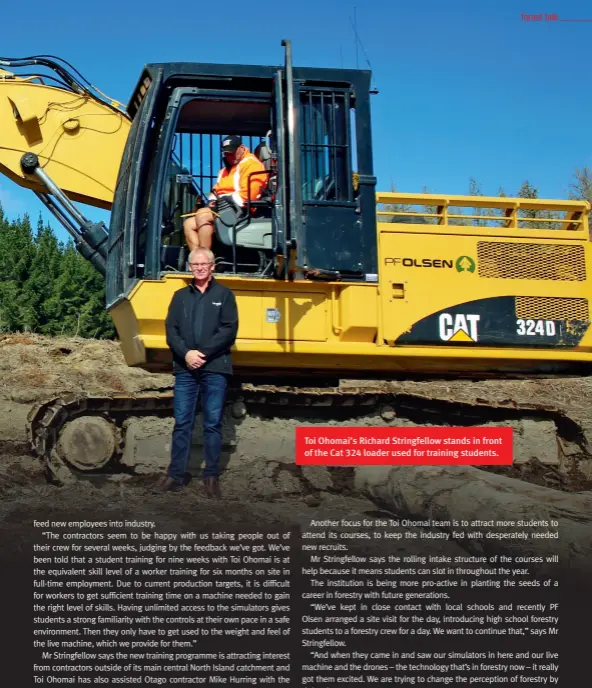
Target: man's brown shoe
166, 484
212, 488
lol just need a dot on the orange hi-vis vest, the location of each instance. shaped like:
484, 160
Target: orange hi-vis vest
234, 181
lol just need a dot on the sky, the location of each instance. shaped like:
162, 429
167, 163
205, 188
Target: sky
466, 89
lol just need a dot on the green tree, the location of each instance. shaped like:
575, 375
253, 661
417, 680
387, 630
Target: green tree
475, 190
499, 212
76, 306
547, 216
401, 208
96, 322
528, 191
38, 287
430, 209
16, 252
10, 312
580, 189
16, 249
46, 286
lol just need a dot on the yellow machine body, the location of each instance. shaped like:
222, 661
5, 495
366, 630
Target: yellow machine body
449, 298
451, 295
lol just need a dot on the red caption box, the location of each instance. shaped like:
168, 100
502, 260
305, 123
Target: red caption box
331, 446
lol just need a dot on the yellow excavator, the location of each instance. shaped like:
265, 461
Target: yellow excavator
334, 280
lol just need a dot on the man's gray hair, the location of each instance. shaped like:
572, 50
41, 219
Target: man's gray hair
207, 253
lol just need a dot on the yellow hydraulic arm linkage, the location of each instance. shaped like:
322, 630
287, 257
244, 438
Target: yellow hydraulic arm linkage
63, 142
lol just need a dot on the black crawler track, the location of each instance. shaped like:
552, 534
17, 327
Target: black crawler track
46, 420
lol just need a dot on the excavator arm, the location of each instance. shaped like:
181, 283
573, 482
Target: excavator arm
64, 142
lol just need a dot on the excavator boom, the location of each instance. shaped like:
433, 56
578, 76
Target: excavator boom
65, 143
78, 139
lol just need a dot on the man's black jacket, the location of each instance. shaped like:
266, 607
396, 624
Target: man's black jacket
207, 322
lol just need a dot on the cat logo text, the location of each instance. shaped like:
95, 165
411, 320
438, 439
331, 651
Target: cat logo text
459, 327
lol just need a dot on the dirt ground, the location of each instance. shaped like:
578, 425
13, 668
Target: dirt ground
261, 482
35, 368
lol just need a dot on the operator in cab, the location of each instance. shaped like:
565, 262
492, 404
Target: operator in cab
234, 184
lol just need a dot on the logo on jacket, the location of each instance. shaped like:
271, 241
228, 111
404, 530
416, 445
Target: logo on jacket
216, 303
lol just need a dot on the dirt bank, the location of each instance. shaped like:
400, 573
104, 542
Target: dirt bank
35, 368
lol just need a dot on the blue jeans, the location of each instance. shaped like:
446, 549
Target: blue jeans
188, 388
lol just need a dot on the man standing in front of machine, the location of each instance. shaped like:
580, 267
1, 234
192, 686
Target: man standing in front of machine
201, 327
243, 177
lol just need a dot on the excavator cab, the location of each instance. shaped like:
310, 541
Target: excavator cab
310, 127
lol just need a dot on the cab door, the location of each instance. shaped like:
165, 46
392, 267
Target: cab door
330, 237
332, 220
